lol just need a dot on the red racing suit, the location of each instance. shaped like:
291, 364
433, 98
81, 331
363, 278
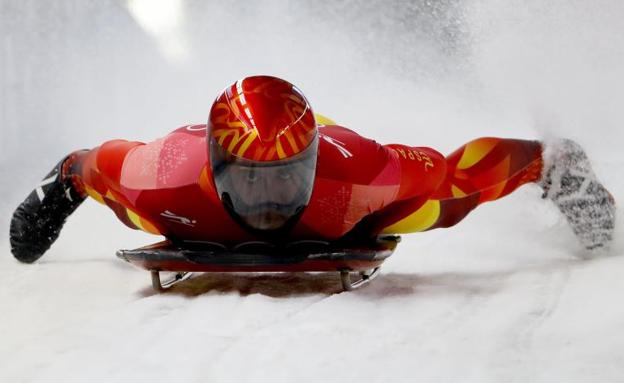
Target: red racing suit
362, 188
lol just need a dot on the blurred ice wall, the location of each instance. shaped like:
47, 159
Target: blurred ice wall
74, 73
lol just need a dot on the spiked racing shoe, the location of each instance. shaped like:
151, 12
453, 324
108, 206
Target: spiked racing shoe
571, 184
38, 220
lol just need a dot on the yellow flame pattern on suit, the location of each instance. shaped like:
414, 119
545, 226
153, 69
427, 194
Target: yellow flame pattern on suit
95, 195
475, 151
420, 220
137, 220
323, 120
457, 192
483, 170
141, 223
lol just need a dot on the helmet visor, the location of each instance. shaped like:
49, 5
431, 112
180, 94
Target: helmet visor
264, 195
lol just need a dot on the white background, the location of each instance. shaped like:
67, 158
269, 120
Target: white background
507, 295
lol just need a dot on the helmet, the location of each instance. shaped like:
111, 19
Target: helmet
263, 146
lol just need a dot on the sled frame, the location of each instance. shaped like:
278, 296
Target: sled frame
160, 286
355, 266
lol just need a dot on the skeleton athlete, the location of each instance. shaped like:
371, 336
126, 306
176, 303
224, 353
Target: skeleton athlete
265, 167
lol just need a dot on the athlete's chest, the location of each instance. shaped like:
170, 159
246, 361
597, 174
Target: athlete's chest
189, 213
355, 177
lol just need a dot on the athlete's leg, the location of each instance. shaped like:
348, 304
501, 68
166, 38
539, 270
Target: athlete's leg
483, 170
487, 169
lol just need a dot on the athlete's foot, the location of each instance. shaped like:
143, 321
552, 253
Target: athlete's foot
571, 184
37, 222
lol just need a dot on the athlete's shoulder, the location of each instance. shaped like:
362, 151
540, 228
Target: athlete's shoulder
174, 160
337, 130
346, 155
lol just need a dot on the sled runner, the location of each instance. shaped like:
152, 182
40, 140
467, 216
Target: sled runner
349, 259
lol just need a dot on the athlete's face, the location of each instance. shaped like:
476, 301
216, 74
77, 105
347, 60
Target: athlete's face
265, 185
265, 196
269, 193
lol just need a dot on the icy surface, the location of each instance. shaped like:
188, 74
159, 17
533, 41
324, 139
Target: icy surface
507, 295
